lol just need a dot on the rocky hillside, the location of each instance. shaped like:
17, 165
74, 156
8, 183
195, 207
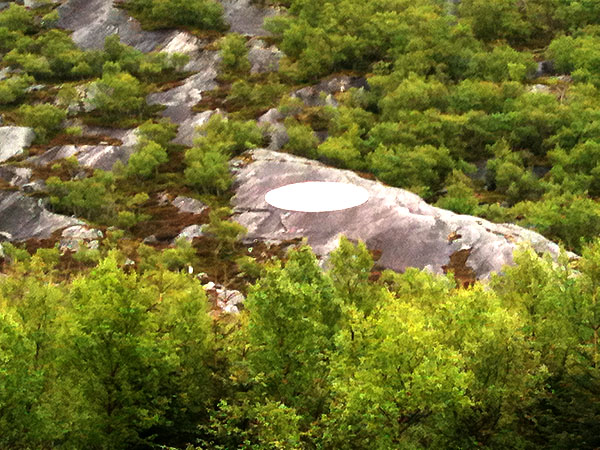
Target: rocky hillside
401, 226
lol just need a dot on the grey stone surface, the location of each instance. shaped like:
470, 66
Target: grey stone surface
188, 128
227, 300
190, 233
245, 17
545, 68
93, 156
181, 99
93, 20
408, 231
13, 140
25, 217
320, 94
540, 89
189, 205
15, 176
38, 3
263, 58
73, 238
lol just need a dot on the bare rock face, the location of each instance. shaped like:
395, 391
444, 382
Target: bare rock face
93, 156
78, 236
93, 20
321, 94
38, 3
407, 231
15, 176
13, 140
23, 218
189, 205
263, 58
190, 233
245, 18
180, 100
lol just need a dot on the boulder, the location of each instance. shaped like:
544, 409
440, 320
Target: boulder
189, 205
13, 140
15, 176
227, 300
544, 68
407, 231
540, 89
190, 233
26, 218
73, 238
263, 58
321, 94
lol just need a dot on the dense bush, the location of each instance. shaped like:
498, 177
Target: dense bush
200, 14
46, 120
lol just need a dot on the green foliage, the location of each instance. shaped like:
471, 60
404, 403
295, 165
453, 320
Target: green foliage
140, 344
460, 195
200, 14
146, 159
46, 120
566, 217
422, 169
226, 231
234, 54
507, 174
13, 89
577, 55
91, 197
161, 132
302, 140
293, 317
503, 63
248, 100
17, 18
206, 163
117, 94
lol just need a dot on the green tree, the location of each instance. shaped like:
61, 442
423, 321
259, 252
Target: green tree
293, 317
143, 345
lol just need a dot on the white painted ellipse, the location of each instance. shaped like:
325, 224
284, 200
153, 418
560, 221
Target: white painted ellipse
317, 196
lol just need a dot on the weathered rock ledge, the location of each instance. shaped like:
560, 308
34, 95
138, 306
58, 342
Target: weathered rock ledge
407, 231
23, 218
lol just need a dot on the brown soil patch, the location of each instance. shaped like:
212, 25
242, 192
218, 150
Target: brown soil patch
464, 275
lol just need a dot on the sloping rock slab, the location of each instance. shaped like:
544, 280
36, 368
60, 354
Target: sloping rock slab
93, 156
15, 176
24, 218
245, 18
13, 140
93, 20
407, 231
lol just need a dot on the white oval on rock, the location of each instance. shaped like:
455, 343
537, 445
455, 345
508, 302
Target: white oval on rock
317, 196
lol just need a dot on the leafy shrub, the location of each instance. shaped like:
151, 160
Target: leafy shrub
17, 18
201, 14
92, 198
13, 88
117, 94
302, 140
45, 120
146, 159
234, 54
